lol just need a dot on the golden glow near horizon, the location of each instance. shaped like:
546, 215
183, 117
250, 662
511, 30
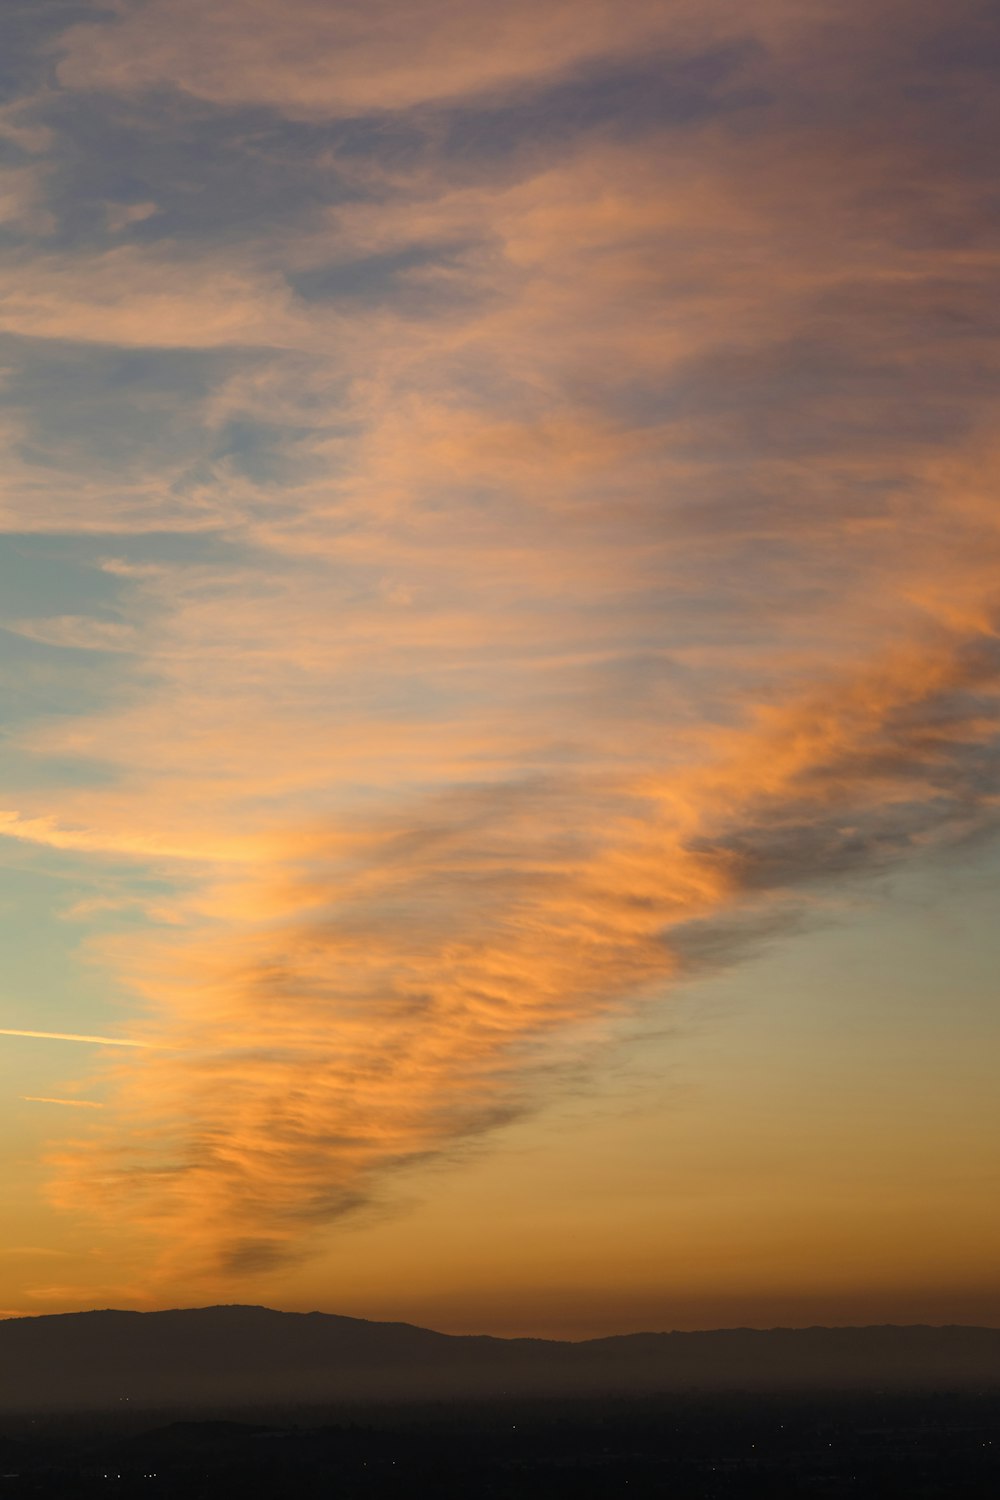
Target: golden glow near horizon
499, 604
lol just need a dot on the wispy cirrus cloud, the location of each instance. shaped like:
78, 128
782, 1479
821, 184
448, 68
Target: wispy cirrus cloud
331, 62
380, 1007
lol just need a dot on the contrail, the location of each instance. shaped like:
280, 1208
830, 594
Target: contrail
71, 1103
72, 1036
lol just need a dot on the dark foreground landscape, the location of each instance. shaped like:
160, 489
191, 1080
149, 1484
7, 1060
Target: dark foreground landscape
693, 1447
223, 1402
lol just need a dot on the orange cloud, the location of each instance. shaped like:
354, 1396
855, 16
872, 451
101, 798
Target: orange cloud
443, 982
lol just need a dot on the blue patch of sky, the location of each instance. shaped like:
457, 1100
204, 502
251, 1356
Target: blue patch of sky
369, 279
41, 683
971, 46
267, 453
43, 576
104, 411
127, 415
215, 176
419, 282
63, 574
44, 984
48, 575
28, 27
135, 415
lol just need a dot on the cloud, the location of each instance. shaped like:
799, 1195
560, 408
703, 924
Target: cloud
70, 1036
126, 297
313, 59
124, 215
76, 632
439, 983
17, 127
68, 1103
23, 199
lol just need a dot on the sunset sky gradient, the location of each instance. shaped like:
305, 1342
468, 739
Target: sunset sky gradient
499, 598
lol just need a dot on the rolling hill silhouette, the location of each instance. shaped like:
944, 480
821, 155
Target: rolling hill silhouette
234, 1355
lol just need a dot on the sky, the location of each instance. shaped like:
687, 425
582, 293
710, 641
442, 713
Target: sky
498, 641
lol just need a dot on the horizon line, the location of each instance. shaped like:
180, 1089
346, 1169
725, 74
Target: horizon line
11, 1316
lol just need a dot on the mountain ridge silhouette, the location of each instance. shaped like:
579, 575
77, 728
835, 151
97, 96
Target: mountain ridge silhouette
237, 1354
